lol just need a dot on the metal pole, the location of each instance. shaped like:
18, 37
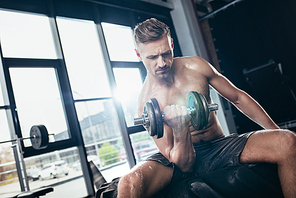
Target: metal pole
20, 165
220, 9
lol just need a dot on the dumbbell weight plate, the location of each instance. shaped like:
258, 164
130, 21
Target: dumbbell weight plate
197, 102
39, 137
206, 109
151, 127
158, 118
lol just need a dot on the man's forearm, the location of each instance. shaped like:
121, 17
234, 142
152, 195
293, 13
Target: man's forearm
183, 154
255, 112
180, 151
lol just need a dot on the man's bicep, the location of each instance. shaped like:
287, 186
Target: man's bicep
225, 87
219, 82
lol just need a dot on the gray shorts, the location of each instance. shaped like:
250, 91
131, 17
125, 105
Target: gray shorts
210, 155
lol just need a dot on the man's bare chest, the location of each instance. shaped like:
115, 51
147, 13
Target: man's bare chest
177, 94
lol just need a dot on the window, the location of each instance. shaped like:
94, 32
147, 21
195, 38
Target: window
120, 43
42, 82
38, 101
56, 169
1, 96
84, 60
98, 121
5, 134
90, 87
143, 145
8, 172
129, 84
25, 35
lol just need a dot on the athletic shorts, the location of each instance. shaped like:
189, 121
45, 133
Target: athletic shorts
210, 155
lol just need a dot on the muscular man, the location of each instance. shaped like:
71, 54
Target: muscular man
184, 150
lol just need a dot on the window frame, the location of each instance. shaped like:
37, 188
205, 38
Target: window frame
97, 11
64, 86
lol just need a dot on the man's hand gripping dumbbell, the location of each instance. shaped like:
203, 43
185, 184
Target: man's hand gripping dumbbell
197, 112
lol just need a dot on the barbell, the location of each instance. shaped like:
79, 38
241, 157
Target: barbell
38, 136
197, 107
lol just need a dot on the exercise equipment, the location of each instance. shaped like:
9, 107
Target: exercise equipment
39, 140
38, 136
197, 107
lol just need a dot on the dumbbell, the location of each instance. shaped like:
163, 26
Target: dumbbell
38, 136
198, 109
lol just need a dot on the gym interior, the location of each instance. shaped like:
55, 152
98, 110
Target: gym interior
68, 68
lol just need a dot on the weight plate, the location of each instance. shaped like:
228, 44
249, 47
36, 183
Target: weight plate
206, 109
39, 137
198, 115
158, 118
151, 128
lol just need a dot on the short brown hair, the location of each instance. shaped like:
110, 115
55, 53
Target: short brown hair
150, 30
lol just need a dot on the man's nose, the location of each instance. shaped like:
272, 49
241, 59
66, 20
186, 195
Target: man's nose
160, 61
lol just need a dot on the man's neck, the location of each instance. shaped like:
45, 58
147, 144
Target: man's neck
161, 81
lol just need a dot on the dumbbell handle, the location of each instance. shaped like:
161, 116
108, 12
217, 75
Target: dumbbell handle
211, 107
142, 121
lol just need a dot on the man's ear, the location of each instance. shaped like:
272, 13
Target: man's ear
138, 54
172, 43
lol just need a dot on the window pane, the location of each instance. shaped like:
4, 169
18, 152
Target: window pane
5, 134
57, 169
8, 174
129, 85
26, 35
38, 101
1, 96
84, 60
143, 145
101, 134
9, 182
120, 42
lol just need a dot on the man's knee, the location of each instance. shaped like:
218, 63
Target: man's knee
272, 146
287, 143
145, 179
129, 184
131, 179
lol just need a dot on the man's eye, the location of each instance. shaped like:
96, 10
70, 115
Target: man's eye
152, 57
166, 54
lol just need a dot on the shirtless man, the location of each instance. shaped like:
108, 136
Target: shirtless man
169, 80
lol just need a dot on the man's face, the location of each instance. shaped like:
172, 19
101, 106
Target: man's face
157, 56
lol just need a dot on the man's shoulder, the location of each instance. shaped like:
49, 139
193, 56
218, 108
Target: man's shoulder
195, 63
188, 58
188, 61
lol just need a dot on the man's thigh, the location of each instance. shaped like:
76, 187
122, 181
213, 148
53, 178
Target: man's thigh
265, 146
